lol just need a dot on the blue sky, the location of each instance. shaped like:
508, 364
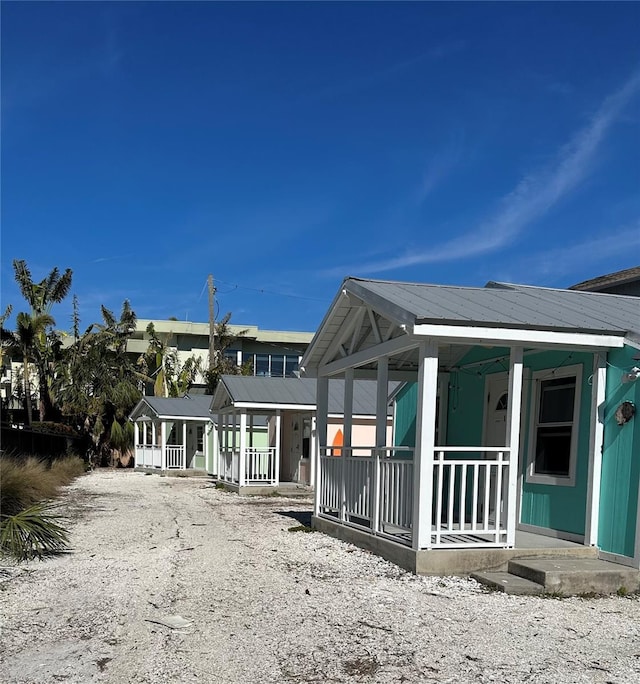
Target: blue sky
284, 146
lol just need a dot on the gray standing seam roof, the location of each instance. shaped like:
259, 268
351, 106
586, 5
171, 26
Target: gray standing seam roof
300, 392
505, 305
196, 406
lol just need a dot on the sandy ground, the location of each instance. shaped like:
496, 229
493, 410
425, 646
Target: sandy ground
265, 604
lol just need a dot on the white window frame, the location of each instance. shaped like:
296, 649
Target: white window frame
538, 377
200, 438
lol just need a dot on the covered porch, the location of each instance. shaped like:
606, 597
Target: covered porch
266, 433
173, 434
469, 475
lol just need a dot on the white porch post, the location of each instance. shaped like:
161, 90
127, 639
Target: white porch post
313, 450
347, 424
220, 469
184, 444
136, 444
596, 438
322, 409
513, 436
382, 393
243, 450
425, 443
163, 445
278, 442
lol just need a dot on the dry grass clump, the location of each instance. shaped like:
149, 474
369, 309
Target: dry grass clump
26, 481
28, 526
65, 470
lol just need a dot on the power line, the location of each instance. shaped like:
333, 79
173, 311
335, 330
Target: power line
265, 291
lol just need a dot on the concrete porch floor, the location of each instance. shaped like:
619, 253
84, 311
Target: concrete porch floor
459, 561
291, 489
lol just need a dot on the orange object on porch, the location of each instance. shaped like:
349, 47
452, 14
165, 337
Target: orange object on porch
338, 441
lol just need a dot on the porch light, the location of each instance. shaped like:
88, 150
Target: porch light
631, 376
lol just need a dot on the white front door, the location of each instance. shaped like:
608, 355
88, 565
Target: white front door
495, 425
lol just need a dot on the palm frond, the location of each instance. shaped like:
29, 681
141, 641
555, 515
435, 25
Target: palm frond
33, 533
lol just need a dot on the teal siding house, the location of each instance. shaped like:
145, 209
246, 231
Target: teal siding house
514, 428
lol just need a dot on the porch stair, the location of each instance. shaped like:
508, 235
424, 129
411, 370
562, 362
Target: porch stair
562, 576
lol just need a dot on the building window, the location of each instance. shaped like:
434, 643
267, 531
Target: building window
290, 366
199, 437
554, 426
261, 366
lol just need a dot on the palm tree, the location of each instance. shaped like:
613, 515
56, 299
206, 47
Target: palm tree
160, 361
46, 345
25, 342
102, 385
50, 290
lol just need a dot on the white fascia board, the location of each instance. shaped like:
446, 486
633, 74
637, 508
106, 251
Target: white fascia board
199, 419
483, 335
269, 407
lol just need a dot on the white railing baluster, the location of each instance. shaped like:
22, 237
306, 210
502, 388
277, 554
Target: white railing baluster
498, 496
440, 485
462, 514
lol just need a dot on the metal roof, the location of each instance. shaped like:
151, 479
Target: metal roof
400, 306
504, 305
196, 406
274, 392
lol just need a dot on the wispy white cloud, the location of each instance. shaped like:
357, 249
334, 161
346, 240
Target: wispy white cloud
532, 197
440, 166
561, 264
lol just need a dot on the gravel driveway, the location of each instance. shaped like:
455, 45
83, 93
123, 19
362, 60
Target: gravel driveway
265, 604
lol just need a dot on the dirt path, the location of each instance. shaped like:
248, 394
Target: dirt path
269, 605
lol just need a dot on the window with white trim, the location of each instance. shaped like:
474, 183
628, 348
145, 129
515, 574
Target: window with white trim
553, 440
199, 437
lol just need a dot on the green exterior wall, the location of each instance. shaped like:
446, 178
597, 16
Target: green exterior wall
554, 506
620, 460
551, 506
404, 424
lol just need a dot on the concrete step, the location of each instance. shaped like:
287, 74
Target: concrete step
571, 576
508, 583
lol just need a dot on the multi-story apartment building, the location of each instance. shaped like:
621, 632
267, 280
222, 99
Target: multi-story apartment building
273, 353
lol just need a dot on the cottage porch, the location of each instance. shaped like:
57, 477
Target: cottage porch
454, 490
172, 445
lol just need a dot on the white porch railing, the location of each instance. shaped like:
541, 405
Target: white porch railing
175, 456
228, 469
259, 466
375, 493
148, 456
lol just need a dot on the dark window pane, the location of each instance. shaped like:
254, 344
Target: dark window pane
553, 451
291, 365
556, 400
502, 402
262, 364
277, 365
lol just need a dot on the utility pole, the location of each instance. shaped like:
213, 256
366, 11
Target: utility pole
212, 323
